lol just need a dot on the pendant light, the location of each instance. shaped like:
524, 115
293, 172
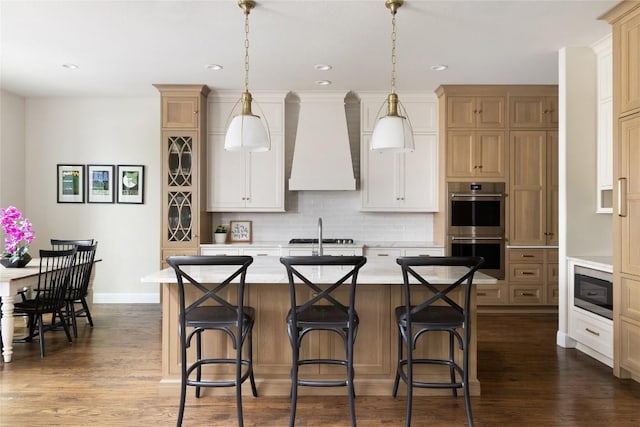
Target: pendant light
393, 131
247, 132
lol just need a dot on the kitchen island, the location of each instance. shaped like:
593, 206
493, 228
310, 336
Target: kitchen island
378, 293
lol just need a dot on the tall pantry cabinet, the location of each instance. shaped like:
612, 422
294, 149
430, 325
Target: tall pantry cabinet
625, 19
185, 222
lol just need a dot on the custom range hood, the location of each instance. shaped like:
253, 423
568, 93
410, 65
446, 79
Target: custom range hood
322, 153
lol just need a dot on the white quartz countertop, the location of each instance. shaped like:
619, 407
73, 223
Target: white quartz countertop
369, 244
603, 263
268, 269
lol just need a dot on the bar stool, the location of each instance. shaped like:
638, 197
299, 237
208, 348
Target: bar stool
435, 310
322, 312
212, 311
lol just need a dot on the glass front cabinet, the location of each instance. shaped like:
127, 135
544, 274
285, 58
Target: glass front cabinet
185, 223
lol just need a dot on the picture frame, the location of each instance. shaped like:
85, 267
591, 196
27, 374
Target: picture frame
100, 184
130, 181
240, 231
70, 183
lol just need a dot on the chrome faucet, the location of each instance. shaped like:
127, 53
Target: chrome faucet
320, 253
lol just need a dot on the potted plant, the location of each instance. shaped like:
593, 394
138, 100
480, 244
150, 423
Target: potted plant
220, 235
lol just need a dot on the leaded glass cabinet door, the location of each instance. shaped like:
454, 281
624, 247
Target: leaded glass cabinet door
180, 171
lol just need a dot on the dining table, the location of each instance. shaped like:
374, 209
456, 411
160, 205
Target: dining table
13, 280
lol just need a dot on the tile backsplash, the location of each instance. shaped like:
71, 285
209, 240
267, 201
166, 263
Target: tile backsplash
340, 216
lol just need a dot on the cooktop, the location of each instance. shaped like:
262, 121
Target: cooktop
324, 241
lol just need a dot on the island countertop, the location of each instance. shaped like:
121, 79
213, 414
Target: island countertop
268, 269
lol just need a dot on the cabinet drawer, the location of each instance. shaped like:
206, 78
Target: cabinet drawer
390, 253
255, 252
594, 333
526, 255
530, 294
423, 252
220, 251
491, 295
526, 273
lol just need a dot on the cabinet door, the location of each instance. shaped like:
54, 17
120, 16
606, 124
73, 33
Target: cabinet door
490, 112
629, 59
265, 178
379, 178
226, 176
461, 160
179, 171
527, 111
551, 117
419, 186
528, 188
629, 190
180, 111
461, 112
489, 154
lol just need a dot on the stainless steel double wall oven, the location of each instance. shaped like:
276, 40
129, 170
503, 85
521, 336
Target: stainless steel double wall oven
476, 223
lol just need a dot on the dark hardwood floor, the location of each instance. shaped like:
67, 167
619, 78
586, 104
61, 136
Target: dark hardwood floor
110, 376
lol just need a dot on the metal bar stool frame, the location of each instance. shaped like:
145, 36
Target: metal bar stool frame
414, 320
224, 317
333, 317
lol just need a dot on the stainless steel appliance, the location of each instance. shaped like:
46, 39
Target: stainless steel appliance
476, 223
593, 291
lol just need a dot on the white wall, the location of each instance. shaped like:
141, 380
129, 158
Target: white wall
12, 152
98, 131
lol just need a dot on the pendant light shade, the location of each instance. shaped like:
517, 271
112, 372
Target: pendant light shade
247, 131
393, 131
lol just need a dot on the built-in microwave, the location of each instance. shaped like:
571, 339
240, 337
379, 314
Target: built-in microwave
593, 291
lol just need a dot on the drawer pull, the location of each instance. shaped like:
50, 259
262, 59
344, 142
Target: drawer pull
527, 256
482, 294
592, 332
527, 294
262, 254
527, 273
383, 254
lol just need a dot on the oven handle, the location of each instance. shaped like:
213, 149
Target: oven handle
500, 195
453, 238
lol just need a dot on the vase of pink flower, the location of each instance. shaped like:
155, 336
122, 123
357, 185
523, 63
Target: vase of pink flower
18, 235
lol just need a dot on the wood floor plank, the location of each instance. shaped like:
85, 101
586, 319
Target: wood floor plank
109, 376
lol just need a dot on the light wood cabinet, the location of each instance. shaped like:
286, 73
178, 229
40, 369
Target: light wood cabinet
533, 111
533, 188
476, 112
478, 154
532, 276
625, 21
185, 224
245, 181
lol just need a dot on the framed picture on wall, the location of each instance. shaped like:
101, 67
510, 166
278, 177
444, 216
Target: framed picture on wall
240, 231
70, 184
100, 184
131, 184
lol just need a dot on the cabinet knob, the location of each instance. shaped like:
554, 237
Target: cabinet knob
195, 112
480, 167
479, 111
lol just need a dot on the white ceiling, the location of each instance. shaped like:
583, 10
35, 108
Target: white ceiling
123, 47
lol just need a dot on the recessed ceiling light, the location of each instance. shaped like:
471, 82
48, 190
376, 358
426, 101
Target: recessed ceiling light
322, 67
323, 82
439, 67
70, 66
214, 67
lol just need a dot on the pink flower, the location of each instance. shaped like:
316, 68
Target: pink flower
18, 232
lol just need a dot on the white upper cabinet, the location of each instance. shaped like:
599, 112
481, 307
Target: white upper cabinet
244, 181
401, 182
605, 122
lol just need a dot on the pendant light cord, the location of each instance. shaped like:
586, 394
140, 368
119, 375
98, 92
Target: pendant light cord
393, 52
246, 51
